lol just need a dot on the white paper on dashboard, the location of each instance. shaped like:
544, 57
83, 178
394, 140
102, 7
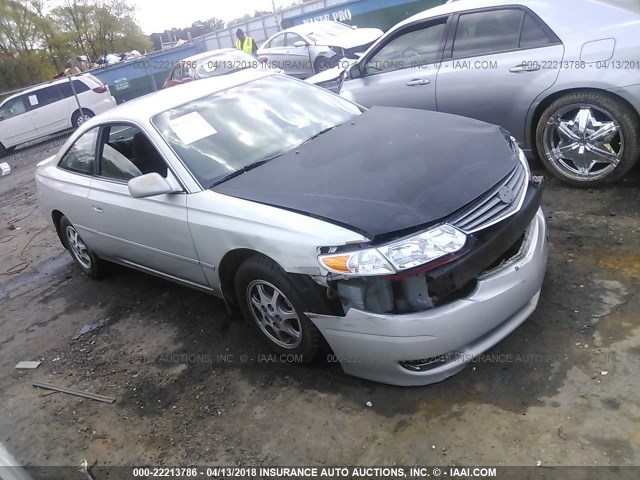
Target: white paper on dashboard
33, 100
191, 127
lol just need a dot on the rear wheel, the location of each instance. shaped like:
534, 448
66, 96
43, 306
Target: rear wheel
84, 258
587, 139
4, 151
273, 306
79, 117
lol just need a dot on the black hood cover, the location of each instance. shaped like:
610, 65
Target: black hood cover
389, 170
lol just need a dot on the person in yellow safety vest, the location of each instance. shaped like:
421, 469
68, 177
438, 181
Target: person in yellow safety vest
244, 43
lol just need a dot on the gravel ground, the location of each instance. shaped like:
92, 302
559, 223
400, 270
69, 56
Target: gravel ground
561, 390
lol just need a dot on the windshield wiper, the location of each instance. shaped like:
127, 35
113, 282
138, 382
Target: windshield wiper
319, 133
251, 166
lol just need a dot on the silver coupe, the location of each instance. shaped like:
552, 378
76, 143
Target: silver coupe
406, 241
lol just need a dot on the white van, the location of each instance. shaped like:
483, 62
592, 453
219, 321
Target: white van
50, 108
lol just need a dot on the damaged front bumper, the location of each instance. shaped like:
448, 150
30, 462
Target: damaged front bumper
429, 346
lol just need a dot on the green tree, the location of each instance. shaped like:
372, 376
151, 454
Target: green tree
22, 58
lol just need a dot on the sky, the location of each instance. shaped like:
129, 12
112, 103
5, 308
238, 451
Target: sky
160, 15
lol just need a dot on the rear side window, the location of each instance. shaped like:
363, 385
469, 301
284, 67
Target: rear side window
533, 35
483, 33
66, 91
81, 158
47, 96
277, 41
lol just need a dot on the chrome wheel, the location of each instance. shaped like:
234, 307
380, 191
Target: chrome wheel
274, 314
583, 142
78, 248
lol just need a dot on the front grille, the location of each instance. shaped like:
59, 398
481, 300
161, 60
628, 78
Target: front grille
502, 201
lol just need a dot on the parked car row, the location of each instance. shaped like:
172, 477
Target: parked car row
378, 232
406, 240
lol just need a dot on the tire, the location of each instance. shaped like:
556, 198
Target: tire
281, 324
3, 151
322, 63
84, 258
78, 118
564, 146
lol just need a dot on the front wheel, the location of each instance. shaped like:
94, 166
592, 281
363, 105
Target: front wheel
85, 259
269, 301
587, 139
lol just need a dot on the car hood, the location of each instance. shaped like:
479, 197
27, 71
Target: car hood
388, 171
352, 39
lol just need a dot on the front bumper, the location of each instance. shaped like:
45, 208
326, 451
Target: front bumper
372, 346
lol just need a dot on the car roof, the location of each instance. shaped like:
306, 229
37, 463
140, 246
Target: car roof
207, 54
35, 88
587, 13
143, 108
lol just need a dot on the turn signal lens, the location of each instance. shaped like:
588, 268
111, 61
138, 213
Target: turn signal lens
359, 263
338, 263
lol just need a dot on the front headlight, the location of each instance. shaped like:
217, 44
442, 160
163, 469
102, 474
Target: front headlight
397, 256
521, 156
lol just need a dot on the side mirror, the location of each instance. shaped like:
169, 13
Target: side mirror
354, 71
300, 43
150, 185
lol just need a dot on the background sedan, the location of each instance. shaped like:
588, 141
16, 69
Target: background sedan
314, 47
562, 80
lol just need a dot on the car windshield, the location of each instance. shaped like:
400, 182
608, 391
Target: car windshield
225, 133
328, 30
224, 63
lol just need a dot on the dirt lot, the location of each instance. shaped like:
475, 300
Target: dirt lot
562, 390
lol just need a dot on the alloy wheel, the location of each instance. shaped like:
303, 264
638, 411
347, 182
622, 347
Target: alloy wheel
274, 314
78, 248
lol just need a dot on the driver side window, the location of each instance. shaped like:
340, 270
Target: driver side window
80, 158
176, 75
125, 152
417, 48
292, 38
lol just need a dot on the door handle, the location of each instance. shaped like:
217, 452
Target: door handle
524, 68
418, 81
97, 209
